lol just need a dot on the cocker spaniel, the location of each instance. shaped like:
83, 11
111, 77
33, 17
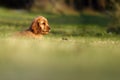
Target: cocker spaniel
37, 29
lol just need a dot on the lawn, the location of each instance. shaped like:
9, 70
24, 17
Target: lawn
77, 48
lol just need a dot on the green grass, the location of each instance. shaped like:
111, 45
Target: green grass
78, 48
74, 25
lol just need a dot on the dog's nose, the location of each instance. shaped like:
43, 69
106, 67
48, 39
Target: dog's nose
49, 28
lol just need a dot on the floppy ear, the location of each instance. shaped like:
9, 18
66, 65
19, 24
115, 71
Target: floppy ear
35, 27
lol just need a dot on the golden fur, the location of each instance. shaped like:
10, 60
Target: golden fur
37, 29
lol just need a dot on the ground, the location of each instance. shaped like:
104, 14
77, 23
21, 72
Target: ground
77, 46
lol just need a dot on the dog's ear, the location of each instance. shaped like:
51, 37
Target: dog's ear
35, 27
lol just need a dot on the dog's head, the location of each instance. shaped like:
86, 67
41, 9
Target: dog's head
40, 26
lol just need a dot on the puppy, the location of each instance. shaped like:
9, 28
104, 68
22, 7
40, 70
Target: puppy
37, 29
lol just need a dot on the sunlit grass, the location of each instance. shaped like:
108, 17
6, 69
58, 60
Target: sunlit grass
54, 58
75, 49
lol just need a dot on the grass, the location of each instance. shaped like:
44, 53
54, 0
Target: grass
77, 48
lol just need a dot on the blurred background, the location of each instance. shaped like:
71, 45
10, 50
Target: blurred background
84, 42
57, 6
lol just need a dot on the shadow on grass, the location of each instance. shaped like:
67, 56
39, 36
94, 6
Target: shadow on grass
83, 25
83, 19
63, 25
79, 32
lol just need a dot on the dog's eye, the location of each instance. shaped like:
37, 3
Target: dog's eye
43, 23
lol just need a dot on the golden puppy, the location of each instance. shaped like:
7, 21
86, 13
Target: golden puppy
37, 29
